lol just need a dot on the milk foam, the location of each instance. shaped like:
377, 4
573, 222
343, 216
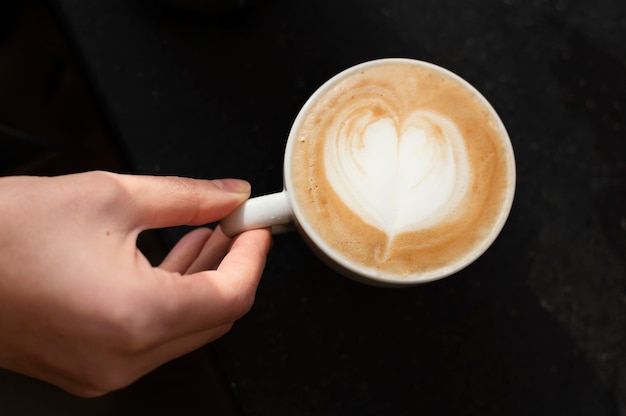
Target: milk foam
397, 175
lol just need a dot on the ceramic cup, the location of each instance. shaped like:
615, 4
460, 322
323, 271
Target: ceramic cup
397, 172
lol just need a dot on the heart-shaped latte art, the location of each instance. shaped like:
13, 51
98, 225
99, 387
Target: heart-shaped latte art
398, 175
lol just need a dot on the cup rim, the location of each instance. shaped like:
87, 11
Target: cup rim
369, 275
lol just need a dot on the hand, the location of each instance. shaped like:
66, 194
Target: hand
82, 308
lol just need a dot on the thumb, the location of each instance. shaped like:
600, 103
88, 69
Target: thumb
158, 202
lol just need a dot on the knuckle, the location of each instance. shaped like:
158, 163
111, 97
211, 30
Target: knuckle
223, 330
110, 371
110, 193
102, 379
183, 185
241, 299
104, 181
188, 192
131, 325
86, 392
247, 302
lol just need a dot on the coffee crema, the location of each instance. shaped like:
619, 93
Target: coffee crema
402, 169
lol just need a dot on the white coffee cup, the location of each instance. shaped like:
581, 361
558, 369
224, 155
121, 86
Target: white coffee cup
283, 210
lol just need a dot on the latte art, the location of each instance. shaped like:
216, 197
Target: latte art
398, 175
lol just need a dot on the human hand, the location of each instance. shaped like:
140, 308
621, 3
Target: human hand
82, 308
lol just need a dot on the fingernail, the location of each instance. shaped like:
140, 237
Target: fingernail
237, 186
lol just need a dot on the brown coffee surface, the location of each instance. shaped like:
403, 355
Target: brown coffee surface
396, 90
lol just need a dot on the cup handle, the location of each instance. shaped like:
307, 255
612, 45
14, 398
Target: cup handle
271, 210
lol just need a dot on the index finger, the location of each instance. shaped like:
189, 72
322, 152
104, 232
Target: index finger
165, 201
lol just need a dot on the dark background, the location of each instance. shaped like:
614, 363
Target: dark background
536, 326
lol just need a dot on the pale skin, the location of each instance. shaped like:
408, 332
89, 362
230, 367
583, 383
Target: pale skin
82, 308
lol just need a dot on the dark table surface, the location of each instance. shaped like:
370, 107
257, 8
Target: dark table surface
535, 326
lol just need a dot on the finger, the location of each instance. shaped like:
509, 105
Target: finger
158, 202
125, 370
186, 251
241, 269
75, 387
197, 302
56, 373
235, 281
212, 253
177, 347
